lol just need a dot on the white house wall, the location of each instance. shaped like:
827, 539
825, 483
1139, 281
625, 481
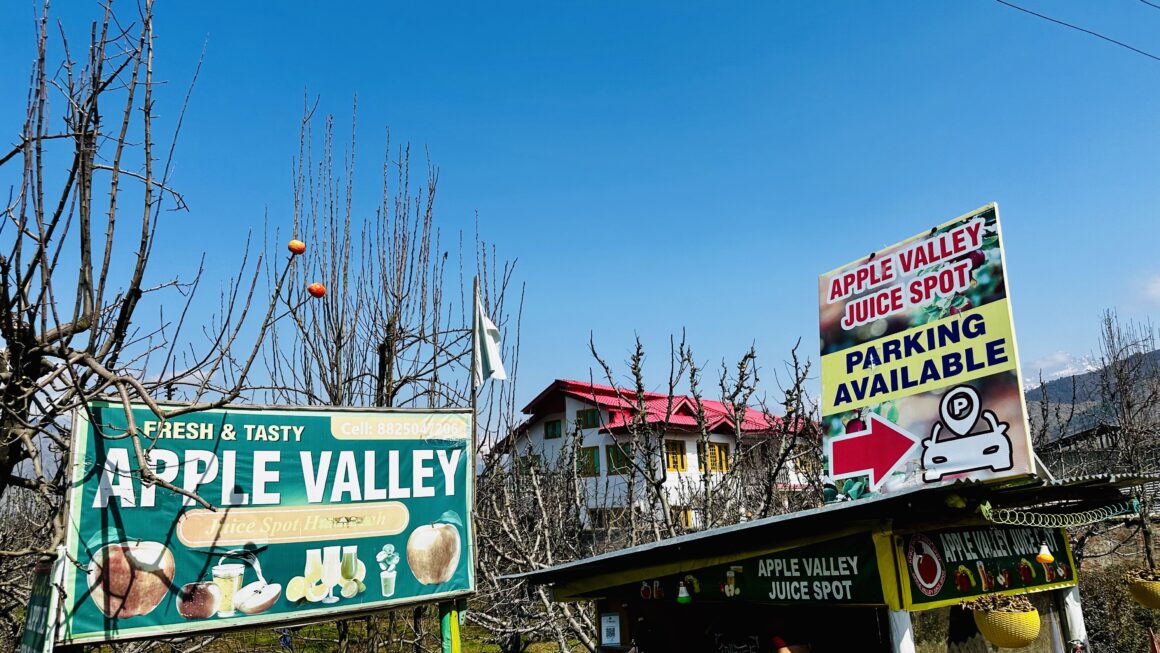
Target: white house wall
608, 491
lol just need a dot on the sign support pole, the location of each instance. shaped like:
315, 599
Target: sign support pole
901, 632
449, 626
449, 610
1073, 617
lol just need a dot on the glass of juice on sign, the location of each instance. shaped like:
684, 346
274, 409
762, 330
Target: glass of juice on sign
331, 570
228, 578
349, 566
313, 572
387, 559
985, 579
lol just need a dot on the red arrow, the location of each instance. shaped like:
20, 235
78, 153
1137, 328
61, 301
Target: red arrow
875, 451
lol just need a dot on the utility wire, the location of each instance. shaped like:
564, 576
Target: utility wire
1150, 4
1080, 29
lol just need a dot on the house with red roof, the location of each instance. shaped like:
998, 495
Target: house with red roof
692, 442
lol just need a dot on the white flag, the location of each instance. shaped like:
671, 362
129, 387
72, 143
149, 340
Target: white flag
488, 364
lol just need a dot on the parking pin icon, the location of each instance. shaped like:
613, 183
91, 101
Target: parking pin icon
959, 410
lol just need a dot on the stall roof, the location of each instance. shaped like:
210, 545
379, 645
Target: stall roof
917, 505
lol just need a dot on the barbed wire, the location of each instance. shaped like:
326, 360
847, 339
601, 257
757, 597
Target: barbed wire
1016, 517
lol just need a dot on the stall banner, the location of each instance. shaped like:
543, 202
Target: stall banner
842, 571
40, 616
920, 374
944, 567
311, 514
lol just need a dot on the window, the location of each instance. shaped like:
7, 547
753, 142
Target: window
675, 458
588, 419
553, 429
683, 516
619, 458
714, 456
588, 461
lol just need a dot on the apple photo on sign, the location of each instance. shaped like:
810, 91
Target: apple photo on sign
129, 579
433, 550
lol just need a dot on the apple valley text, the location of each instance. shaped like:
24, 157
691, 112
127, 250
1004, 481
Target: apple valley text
327, 476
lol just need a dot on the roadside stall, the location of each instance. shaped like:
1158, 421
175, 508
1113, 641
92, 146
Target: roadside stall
886, 573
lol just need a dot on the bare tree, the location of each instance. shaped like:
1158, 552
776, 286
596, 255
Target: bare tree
82, 314
1110, 424
1129, 392
535, 512
394, 328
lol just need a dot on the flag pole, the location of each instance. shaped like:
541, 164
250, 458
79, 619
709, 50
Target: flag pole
461, 605
450, 611
474, 361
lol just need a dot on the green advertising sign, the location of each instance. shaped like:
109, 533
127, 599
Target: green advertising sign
40, 617
944, 567
311, 514
842, 571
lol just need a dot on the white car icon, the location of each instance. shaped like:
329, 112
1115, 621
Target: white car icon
967, 453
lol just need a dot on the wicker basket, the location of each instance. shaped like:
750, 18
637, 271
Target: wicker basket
1008, 629
1146, 592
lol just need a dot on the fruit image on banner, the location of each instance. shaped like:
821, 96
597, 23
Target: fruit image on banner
920, 375
433, 550
942, 568
302, 505
131, 578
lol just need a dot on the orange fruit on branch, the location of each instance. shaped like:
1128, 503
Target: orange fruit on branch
316, 290
296, 247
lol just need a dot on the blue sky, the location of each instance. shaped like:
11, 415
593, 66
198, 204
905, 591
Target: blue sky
659, 166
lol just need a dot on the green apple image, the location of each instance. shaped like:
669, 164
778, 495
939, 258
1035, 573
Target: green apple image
433, 550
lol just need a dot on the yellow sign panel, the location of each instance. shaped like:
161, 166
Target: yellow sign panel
952, 350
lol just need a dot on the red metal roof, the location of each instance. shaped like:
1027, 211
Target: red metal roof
622, 402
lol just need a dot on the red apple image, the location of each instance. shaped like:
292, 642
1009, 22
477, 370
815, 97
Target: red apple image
128, 579
433, 553
927, 569
1026, 573
962, 581
198, 600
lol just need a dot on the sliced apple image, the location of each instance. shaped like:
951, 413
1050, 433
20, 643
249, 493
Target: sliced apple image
433, 550
257, 597
130, 579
